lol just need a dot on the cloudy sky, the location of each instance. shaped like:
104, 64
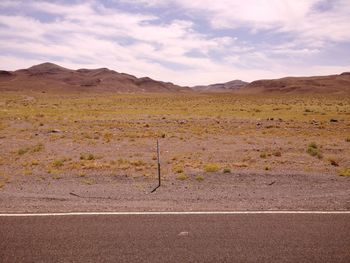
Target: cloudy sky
188, 42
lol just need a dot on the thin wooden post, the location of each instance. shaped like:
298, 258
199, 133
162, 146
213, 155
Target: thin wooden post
158, 162
158, 159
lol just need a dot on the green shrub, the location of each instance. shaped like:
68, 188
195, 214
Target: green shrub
313, 150
227, 170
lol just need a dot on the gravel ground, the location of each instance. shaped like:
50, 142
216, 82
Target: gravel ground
244, 191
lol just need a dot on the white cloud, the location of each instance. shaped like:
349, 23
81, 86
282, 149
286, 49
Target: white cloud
90, 35
290, 16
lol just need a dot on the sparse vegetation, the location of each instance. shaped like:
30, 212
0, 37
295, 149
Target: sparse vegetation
87, 156
211, 167
81, 174
246, 131
178, 169
263, 155
227, 170
344, 172
199, 178
23, 151
37, 148
58, 163
314, 150
31, 149
182, 177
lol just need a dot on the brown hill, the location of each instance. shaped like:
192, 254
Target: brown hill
51, 77
233, 85
333, 84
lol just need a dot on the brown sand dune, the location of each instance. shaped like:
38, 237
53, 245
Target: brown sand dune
51, 77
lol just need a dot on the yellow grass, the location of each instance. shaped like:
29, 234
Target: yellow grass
117, 132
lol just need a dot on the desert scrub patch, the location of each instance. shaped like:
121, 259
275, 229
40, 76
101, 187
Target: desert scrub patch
123, 164
199, 178
37, 148
314, 150
30, 149
211, 167
344, 172
87, 156
137, 163
263, 155
347, 139
178, 169
23, 151
226, 170
81, 174
182, 177
57, 163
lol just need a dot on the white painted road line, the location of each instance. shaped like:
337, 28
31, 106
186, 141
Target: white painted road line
173, 213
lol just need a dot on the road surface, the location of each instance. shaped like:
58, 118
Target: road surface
176, 238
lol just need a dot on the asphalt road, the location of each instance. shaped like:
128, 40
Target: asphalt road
176, 238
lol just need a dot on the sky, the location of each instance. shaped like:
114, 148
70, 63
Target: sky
188, 42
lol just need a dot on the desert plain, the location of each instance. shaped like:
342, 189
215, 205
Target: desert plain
218, 151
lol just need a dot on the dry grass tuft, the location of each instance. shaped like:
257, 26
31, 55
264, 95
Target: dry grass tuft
199, 178
182, 177
344, 172
314, 150
211, 167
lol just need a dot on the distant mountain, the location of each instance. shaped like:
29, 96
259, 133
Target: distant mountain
333, 84
50, 77
233, 85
